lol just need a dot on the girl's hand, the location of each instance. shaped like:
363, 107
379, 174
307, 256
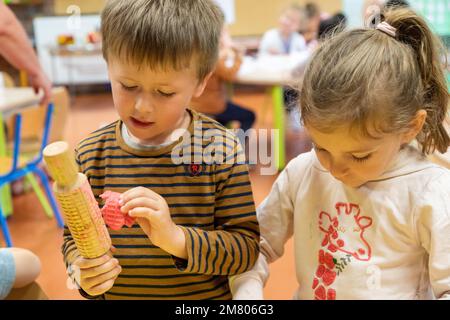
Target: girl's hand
153, 215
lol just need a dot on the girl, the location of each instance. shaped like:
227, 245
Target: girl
369, 214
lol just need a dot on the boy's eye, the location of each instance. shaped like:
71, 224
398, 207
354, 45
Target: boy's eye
165, 94
128, 88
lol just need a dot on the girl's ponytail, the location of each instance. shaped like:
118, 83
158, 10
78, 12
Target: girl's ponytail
429, 51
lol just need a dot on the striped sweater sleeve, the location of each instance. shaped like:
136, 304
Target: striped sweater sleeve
233, 246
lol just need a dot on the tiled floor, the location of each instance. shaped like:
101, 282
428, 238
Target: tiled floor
31, 229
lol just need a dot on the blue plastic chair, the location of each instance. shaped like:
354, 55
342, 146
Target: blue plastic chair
32, 167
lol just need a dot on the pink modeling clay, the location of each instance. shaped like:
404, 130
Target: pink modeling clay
114, 218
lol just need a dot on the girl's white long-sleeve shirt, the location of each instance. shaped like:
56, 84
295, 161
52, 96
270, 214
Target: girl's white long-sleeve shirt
389, 239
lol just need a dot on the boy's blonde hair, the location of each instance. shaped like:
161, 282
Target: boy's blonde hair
163, 34
377, 83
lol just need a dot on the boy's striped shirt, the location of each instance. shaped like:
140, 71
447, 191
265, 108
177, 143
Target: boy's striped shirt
212, 202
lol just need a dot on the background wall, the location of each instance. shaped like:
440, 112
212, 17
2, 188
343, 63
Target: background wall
254, 17
86, 6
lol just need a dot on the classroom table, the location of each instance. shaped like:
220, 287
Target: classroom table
273, 72
12, 100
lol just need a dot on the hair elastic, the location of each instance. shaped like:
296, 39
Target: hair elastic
387, 28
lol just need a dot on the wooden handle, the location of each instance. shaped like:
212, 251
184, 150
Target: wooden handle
61, 163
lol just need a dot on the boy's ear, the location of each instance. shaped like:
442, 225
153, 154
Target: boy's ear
415, 126
201, 86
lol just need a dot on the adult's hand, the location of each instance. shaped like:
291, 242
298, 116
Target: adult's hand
16, 48
40, 81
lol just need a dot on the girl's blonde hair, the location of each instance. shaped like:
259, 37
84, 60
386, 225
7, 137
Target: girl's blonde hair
377, 83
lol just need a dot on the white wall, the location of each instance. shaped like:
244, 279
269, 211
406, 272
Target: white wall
69, 70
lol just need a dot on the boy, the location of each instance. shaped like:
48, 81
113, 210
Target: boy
196, 222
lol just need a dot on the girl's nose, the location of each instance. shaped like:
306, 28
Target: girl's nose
338, 169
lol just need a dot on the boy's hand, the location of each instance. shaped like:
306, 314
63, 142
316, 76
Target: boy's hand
152, 213
97, 276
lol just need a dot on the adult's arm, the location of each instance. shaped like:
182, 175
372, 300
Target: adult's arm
17, 50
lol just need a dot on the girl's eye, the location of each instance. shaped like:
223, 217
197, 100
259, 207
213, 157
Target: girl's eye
319, 149
363, 159
166, 94
128, 88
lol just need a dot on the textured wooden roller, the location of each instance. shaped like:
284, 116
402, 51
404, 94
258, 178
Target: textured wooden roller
77, 201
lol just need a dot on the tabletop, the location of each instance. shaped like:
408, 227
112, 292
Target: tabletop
15, 99
76, 50
271, 69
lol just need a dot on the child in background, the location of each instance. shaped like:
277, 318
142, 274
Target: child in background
369, 214
214, 100
396, 4
285, 39
196, 222
313, 19
330, 26
18, 268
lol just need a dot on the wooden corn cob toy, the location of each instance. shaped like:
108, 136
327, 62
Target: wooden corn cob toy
81, 211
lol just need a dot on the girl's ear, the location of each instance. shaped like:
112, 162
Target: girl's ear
201, 86
415, 127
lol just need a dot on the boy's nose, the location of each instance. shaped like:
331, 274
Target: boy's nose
144, 104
